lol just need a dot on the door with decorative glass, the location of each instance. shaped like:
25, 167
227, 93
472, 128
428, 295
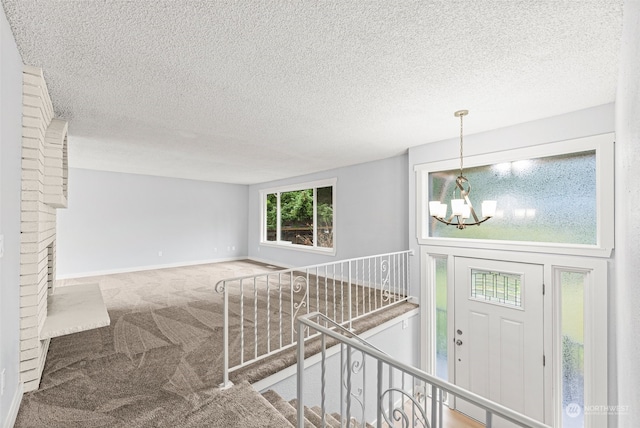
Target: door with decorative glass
498, 335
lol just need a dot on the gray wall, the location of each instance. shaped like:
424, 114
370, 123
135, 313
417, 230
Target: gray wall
118, 222
10, 179
371, 213
627, 252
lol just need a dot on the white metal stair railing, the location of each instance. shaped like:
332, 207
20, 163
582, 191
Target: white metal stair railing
259, 311
399, 397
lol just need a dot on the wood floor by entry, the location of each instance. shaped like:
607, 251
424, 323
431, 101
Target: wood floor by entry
450, 418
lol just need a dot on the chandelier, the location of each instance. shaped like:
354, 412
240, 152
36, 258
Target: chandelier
461, 209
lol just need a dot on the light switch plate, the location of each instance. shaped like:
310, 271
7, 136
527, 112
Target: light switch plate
1, 246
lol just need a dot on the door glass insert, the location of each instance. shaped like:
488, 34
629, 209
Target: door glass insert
496, 287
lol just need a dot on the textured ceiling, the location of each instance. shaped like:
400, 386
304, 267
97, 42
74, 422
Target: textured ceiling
251, 91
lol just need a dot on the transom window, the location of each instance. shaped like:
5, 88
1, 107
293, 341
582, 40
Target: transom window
300, 216
552, 198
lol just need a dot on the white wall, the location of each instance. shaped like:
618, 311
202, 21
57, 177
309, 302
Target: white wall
371, 211
10, 179
118, 222
627, 252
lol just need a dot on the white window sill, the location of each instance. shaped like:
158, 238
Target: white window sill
286, 245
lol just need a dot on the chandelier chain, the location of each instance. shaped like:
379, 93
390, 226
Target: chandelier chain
461, 145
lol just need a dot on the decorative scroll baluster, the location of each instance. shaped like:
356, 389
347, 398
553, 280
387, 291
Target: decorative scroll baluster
384, 277
355, 395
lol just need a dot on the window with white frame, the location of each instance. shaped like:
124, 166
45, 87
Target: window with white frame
557, 195
300, 216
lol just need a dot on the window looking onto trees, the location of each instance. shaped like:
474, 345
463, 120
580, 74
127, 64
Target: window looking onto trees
300, 216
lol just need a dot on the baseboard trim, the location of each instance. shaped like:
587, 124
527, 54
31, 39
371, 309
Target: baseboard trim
149, 267
272, 263
12, 414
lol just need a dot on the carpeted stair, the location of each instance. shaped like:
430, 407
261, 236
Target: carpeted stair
312, 415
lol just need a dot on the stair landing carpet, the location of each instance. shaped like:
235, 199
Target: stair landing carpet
157, 365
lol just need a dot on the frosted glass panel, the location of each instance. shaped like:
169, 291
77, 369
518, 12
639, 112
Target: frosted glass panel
572, 295
442, 366
496, 287
549, 199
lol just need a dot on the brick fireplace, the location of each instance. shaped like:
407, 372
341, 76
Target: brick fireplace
44, 190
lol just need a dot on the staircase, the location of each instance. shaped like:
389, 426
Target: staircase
312, 415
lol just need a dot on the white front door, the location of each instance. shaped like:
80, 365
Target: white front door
498, 335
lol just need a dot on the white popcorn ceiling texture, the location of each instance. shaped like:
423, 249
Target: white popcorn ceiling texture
251, 91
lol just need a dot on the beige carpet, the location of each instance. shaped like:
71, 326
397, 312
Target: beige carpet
160, 361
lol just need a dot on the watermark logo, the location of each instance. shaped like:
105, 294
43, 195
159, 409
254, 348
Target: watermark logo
606, 410
573, 410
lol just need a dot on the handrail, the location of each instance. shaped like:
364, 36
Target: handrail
219, 287
343, 329
491, 407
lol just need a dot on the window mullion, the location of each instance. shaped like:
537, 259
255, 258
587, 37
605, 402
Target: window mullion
315, 216
278, 215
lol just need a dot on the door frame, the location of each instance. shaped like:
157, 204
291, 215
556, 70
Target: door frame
595, 321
